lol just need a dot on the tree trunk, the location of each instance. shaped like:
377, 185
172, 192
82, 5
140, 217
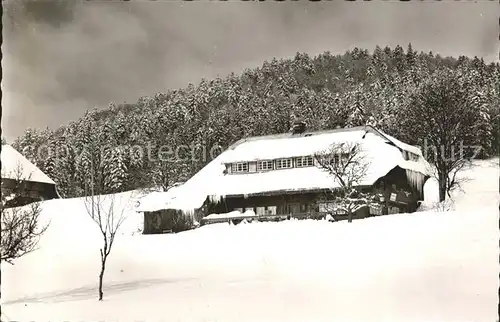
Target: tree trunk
442, 190
349, 216
442, 194
442, 185
101, 276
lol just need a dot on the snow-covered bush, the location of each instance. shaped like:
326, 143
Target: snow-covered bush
445, 205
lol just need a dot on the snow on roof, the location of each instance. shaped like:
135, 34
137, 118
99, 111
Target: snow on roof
156, 200
290, 145
211, 181
404, 146
16, 166
381, 157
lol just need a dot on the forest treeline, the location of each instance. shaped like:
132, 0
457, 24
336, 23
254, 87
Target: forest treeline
131, 146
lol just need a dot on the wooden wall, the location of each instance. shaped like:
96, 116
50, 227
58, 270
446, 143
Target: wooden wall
397, 193
166, 221
27, 191
282, 201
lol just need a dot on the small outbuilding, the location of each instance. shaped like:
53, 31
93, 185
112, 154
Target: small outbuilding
161, 216
22, 180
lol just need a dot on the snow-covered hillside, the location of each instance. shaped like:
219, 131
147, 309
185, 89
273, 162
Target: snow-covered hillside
426, 266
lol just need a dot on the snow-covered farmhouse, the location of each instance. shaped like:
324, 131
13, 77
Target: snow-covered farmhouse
23, 179
279, 175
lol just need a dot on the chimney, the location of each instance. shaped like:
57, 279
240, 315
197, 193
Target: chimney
299, 126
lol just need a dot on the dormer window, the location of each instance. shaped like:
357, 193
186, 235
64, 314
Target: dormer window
283, 164
407, 155
239, 167
302, 162
265, 165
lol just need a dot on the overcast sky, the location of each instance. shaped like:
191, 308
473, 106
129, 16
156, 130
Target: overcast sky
61, 59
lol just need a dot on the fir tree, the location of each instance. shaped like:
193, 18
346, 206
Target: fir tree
328, 90
410, 55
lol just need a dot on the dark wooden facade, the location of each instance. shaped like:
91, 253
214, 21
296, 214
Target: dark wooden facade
398, 192
283, 205
27, 192
397, 196
169, 221
158, 222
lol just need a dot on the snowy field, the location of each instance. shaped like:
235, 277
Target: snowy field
426, 266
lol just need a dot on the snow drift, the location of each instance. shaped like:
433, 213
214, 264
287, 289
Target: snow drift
424, 266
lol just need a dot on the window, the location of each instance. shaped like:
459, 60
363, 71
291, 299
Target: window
331, 207
407, 155
340, 211
375, 210
239, 167
261, 211
335, 159
346, 157
301, 162
326, 207
393, 210
271, 210
264, 165
413, 157
283, 164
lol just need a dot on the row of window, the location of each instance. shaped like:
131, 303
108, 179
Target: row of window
260, 211
268, 165
298, 162
335, 159
324, 207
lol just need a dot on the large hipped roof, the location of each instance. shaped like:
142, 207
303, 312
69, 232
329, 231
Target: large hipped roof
382, 152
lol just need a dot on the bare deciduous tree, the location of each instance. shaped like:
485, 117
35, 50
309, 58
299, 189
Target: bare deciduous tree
455, 179
348, 166
20, 226
21, 231
102, 211
446, 114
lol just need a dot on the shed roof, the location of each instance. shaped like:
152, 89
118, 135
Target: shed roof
16, 166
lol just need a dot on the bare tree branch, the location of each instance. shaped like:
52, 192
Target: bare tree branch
348, 166
20, 226
109, 220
